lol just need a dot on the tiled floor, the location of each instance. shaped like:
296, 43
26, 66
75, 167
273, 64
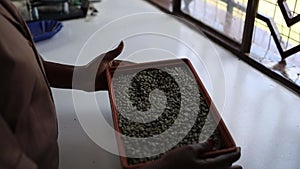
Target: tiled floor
262, 116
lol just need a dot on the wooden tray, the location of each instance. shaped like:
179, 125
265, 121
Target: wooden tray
230, 145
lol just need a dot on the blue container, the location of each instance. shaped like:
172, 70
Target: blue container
44, 29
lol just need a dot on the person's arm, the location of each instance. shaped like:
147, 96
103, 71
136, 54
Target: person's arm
58, 75
90, 77
11, 156
191, 157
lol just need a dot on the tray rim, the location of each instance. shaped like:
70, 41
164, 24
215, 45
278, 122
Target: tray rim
224, 132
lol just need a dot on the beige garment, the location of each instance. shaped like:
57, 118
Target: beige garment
28, 126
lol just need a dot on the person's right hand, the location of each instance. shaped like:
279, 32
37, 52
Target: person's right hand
190, 157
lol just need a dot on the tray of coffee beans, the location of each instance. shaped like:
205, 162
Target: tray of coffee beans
160, 106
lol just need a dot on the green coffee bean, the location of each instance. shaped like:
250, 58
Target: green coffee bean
135, 98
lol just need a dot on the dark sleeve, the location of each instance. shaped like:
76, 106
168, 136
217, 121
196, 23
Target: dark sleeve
59, 75
11, 156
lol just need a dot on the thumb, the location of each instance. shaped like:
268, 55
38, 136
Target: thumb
204, 147
111, 55
236, 167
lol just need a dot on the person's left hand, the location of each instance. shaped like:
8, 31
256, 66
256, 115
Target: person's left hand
92, 77
192, 157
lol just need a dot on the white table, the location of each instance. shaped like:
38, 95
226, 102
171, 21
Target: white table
251, 104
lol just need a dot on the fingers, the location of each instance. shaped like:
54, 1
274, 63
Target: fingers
236, 167
120, 62
223, 161
202, 148
111, 55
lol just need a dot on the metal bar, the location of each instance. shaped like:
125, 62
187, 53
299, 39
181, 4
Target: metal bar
177, 6
287, 82
296, 2
291, 51
275, 35
235, 47
234, 4
286, 12
251, 12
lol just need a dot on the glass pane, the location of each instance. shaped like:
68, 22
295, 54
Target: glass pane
264, 49
225, 16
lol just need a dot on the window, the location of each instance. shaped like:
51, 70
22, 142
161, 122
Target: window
264, 33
